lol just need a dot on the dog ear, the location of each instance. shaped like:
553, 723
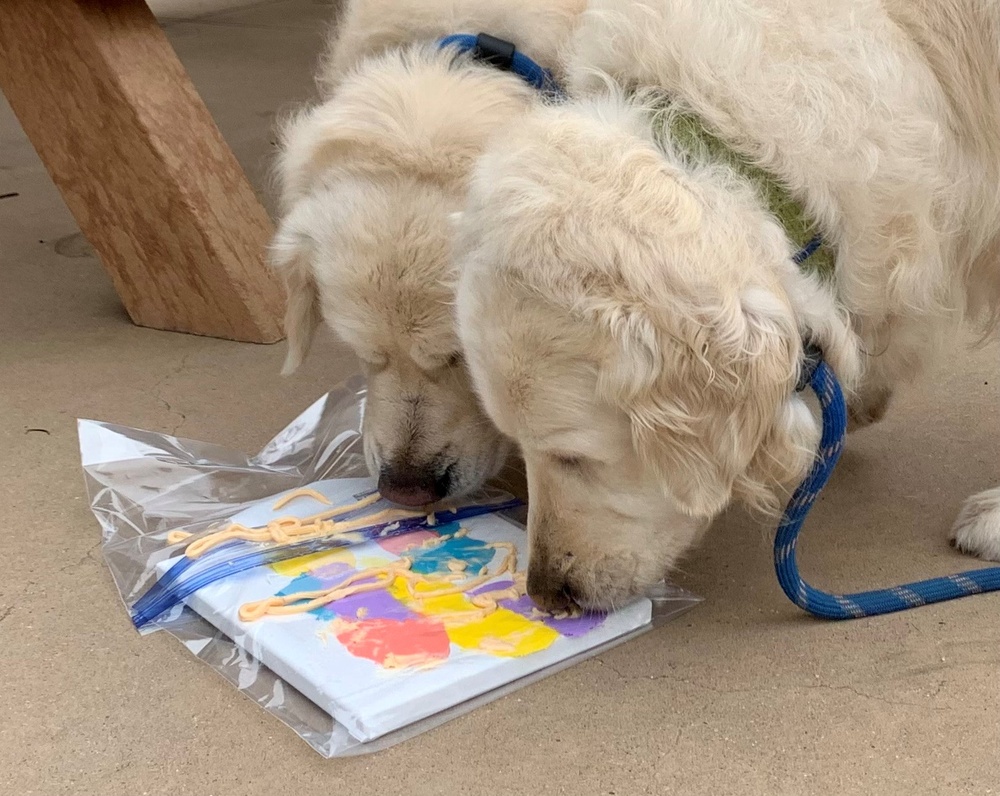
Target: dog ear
706, 385
291, 254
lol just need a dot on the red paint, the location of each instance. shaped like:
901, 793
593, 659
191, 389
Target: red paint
397, 545
401, 642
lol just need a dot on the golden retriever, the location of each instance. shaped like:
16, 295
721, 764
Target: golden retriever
631, 314
368, 179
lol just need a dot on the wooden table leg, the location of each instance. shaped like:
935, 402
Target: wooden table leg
141, 165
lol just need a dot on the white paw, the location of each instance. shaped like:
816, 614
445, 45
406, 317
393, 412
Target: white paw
977, 529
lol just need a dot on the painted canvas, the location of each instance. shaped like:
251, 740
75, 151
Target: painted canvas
384, 633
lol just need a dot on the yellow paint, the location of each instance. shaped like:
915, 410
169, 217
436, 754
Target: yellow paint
472, 622
369, 562
502, 625
498, 630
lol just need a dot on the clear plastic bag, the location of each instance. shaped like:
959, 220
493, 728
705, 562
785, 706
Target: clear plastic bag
145, 486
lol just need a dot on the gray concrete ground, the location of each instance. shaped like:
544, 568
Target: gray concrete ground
743, 695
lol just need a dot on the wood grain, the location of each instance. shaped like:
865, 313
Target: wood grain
141, 165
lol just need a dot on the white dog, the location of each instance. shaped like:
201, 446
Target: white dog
629, 305
369, 178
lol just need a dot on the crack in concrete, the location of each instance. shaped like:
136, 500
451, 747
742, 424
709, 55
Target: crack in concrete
638, 678
819, 686
83, 559
156, 392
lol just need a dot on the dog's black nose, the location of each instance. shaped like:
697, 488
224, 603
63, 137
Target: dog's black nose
412, 486
550, 593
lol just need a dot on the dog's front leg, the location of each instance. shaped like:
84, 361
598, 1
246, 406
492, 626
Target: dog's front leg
868, 405
896, 350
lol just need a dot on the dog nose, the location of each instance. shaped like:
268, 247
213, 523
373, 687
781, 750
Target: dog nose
549, 592
412, 486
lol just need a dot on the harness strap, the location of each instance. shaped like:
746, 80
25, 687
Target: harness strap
814, 373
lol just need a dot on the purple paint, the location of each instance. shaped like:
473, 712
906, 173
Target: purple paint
571, 627
373, 604
335, 572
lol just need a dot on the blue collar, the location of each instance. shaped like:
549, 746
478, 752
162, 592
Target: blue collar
504, 55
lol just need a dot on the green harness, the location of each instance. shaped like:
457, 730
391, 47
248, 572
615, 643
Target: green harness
689, 134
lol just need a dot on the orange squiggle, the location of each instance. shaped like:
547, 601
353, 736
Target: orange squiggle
288, 529
385, 576
300, 493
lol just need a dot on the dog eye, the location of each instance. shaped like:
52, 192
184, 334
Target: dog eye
375, 364
568, 462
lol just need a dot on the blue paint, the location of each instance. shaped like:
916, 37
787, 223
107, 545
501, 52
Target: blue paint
474, 552
305, 582
380, 604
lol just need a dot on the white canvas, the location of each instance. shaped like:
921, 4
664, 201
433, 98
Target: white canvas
379, 660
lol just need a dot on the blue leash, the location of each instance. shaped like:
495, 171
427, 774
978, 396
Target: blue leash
817, 375
866, 603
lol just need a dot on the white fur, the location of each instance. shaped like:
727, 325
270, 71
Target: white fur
369, 178
369, 27
602, 251
977, 528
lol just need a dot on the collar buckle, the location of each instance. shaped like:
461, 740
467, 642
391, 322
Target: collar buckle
495, 52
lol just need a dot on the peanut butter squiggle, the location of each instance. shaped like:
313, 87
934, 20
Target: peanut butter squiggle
295, 529
381, 577
177, 536
287, 529
300, 493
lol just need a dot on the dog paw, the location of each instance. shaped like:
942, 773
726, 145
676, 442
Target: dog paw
868, 406
977, 529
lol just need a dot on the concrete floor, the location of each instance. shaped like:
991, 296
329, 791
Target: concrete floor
743, 695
